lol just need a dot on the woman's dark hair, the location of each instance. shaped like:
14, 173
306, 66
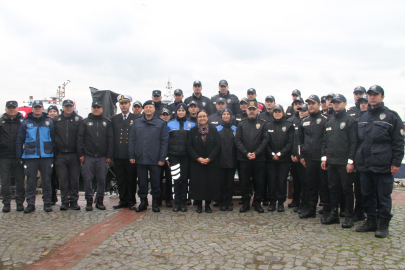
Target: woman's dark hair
202, 111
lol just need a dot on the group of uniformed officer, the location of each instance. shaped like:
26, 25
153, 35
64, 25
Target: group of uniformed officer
325, 148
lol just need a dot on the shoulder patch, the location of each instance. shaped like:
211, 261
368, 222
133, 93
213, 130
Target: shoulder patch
262, 120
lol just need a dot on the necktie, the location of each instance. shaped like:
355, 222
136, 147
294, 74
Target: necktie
125, 117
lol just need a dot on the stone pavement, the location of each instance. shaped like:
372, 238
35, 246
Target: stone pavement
166, 240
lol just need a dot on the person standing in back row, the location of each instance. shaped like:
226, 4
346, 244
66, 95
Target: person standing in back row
202, 102
231, 100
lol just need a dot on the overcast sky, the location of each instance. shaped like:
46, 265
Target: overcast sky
133, 47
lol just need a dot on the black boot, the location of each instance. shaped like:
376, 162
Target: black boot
74, 205
280, 207
229, 204
120, 205
326, 213
272, 207
199, 206
207, 207
155, 204
310, 211
6, 208
258, 207
370, 225
176, 207
143, 205
64, 207
183, 206
348, 223
332, 218
100, 204
222, 205
89, 205
30, 208
383, 228
47, 207
20, 207
359, 215
245, 206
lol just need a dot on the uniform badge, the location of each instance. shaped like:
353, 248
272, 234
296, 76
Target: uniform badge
318, 120
47, 123
306, 124
342, 125
382, 116
257, 126
402, 132
329, 128
189, 125
59, 119
3, 122
104, 123
131, 122
77, 118
238, 119
90, 123
270, 130
204, 103
229, 100
283, 129
30, 125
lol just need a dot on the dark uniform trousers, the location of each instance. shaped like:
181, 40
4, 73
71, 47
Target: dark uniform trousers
316, 177
154, 171
54, 184
9, 166
94, 167
277, 173
340, 182
126, 180
44, 165
227, 177
166, 173
180, 171
376, 189
67, 167
252, 170
357, 193
296, 181
302, 172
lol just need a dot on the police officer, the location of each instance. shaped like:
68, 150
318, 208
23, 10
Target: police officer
378, 158
193, 109
157, 99
295, 121
324, 107
243, 108
137, 108
9, 125
329, 113
125, 171
36, 133
231, 100
290, 109
338, 152
201, 101
267, 115
251, 96
95, 146
67, 164
148, 143
215, 119
358, 92
166, 173
311, 135
52, 112
178, 98
251, 141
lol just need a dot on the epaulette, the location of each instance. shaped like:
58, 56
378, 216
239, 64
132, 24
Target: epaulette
243, 119
305, 118
262, 120
107, 119
324, 116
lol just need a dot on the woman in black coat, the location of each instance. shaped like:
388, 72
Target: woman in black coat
203, 146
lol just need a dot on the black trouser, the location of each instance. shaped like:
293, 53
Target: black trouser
166, 173
180, 171
340, 182
125, 173
357, 193
316, 177
296, 181
227, 177
277, 173
67, 167
154, 171
252, 170
376, 189
9, 166
44, 165
302, 172
54, 184
94, 167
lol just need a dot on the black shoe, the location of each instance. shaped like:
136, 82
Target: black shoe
348, 223
143, 205
265, 203
168, 203
258, 207
215, 204
245, 207
183, 206
370, 225
20, 207
47, 207
222, 206
327, 212
100, 204
293, 204
199, 208
89, 205
6, 208
280, 207
131, 206
64, 207
74, 206
229, 205
383, 228
176, 207
188, 202
272, 207
155, 204
359, 215
120, 205
332, 217
208, 208
30, 208
309, 212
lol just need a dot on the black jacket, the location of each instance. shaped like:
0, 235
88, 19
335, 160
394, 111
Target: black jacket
159, 107
239, 117
251, 137
290, 111
172, 109
232, 102
295, 121
215, 119
178, 130
95, 137
340, 139
265, 115
66, 130
148, 141
202, 103
8, 135
227, 156
329, 113
280, 133
192, 119
311, 136
381, 140
354, 111
121, 130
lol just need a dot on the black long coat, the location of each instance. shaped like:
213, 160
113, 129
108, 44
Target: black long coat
204, 179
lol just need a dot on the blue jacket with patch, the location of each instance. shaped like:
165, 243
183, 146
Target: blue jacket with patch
36, 135
178, 131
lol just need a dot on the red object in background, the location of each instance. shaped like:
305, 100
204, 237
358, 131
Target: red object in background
24, 110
